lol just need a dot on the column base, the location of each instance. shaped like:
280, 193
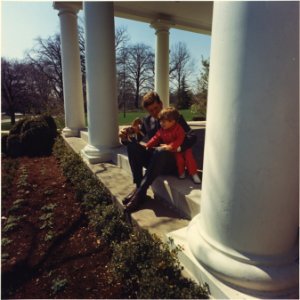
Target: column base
96, 155
71, 132
218, 288
244, 271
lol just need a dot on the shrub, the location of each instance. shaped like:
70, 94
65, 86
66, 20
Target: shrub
8, 167
110, 224
60, 121
36, 138
145, 266
149, 269
16, 129
87, 186
14, 147
51, 123
3, 143
32, 136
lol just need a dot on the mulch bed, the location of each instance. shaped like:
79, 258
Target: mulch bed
52, 252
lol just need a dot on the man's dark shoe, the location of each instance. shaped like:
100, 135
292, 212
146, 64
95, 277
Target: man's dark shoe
135, 201
127, 199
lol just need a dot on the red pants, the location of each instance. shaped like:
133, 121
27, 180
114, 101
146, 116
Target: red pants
186, 159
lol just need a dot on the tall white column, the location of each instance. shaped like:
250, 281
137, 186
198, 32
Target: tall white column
72, 80
162, 61
101, 81
246, 233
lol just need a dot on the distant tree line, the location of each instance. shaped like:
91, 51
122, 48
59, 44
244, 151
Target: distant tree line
34, 85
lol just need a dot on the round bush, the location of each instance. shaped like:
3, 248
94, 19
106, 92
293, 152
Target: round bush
16, 129
3, 143
51, 123
36, 138
30, 123
14, 147
32, 136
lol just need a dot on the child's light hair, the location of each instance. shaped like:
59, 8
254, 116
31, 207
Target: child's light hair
169, 113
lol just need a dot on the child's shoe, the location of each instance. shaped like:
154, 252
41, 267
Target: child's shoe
196, 178
182, 176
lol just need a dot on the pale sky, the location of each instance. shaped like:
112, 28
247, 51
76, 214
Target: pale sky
22, 22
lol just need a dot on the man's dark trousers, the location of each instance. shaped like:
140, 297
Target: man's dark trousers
156, 163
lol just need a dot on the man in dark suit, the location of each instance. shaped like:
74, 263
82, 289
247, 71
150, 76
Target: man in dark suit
155, 161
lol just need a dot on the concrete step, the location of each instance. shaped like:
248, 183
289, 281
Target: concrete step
84, 135
153, 215
184, 195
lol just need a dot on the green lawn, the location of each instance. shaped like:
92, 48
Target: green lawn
130, 116
5, 126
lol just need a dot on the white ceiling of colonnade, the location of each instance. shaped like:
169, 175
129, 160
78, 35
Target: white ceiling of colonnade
193, 16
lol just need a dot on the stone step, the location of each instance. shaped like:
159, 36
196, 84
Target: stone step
153, 215
184, 195
84, 135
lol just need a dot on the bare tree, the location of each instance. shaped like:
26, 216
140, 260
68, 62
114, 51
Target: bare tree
121, 38
39, 90
180, 67
46, 56
141, 68
125, 87
200, 100
13, 86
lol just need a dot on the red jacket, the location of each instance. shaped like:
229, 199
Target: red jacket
173, 136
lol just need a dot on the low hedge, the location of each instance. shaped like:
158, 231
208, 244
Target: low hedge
87, 187
149, 269
110, 224
146, 266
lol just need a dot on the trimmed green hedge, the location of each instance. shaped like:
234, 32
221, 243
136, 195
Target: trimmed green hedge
146, 267
32, 136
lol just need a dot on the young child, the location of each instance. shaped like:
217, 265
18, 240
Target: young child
170, 136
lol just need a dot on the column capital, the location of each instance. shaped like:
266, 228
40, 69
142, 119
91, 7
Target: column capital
67, 7
161, 25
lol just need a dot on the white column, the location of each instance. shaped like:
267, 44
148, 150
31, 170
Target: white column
162, 61
101, 81
72, 80
246, 233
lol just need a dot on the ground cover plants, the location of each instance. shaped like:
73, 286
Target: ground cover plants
62, 237
48, 248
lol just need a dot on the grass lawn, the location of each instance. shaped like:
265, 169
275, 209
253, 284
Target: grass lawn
127, 120
5, 126
130, 116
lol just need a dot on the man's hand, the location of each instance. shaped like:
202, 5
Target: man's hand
165, 147
123, 134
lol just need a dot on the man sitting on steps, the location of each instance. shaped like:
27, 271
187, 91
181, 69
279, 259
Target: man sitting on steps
156, 162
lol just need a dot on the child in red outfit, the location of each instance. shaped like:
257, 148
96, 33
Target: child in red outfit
171, 134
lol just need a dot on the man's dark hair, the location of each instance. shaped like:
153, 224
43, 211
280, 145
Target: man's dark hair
150, 98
